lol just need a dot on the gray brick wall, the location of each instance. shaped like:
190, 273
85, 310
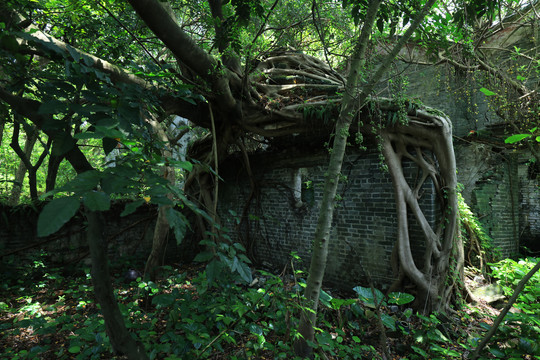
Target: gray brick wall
364, 227
529, 202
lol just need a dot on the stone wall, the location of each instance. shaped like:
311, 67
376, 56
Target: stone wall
364, 228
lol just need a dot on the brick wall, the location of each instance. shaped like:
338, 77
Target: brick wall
364, 227
529, 215
493, 192
127, 236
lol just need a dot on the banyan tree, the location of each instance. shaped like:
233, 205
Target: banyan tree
281, 97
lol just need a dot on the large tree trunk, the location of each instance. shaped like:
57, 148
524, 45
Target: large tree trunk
120, 337
425, 133
349, 107
161, 230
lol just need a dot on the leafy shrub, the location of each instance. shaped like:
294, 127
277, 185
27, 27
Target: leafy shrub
521, 330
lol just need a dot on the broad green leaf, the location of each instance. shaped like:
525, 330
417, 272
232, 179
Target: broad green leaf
338, 303
74, 349
243, 270
178, 222
186, 165
487, 92
55, 214
419, 351
388, 321
366, 296
515, 138
325, 298
52, 107
107, 123
446, 352
162, 200
204, 256
109, 145
74, 53
83, 182
117, 184
131, 207
255, 329
400, 298
97, 201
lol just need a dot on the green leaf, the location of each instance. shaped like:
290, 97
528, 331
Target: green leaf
204, 256
419, 351
400, 298
243, 270
89, 135
107, 123
52, 107
186, 165
487, 92
178, 222
55, 214
97, 200
515, 138
388, 321
109, 145
325, 298
83, 182
74, 349
74, 53
338, 303
366, 296
131, 207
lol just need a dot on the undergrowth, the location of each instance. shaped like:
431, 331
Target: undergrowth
50, 313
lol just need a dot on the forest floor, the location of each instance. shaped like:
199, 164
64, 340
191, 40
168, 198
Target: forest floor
52, 315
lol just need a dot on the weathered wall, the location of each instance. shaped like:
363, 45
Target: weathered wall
364, 227
492, 190
495, 182
529, 184
127, 236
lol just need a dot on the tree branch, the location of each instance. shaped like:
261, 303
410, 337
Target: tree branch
46, 43
184, 48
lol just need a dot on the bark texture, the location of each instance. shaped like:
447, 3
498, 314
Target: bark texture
427, 141
121, 339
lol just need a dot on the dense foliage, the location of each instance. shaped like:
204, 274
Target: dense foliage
49, 314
